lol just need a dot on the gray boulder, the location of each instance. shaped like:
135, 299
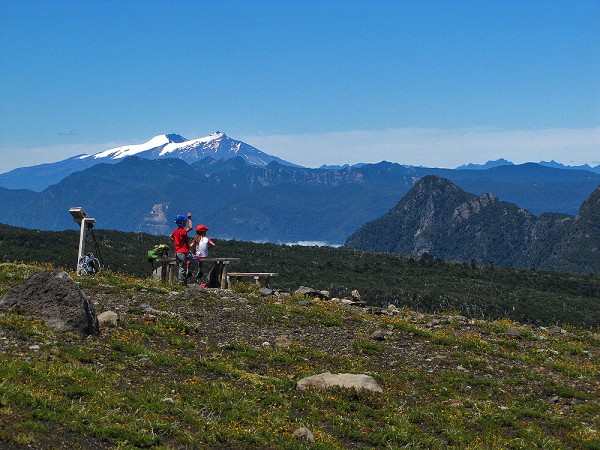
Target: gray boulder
345, 380
56, 298
305, 291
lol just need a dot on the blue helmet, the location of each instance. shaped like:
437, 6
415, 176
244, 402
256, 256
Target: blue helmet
180, 219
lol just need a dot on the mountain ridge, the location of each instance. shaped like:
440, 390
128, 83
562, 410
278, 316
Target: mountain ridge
504, 162
438, 218
275, 203
217, 146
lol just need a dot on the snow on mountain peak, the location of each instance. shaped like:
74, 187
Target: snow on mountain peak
130, 150
217, 145
210, 143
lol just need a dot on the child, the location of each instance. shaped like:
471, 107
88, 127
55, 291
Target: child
180, 238
200, 245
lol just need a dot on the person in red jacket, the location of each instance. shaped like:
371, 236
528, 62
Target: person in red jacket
182, 250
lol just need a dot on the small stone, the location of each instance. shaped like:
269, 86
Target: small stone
304, 434
282, 341
458, 318
378, 335
513, 332
306, 291
306, 303
34, 347
108, 319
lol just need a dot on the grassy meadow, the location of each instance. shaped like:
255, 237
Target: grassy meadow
196, 372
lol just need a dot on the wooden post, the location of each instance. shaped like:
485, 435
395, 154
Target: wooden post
224, 276
85, 222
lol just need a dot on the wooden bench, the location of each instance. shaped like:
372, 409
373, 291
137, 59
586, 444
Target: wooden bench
260, 278
167, 270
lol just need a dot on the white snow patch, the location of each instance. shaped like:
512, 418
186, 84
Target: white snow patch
130, 150
207, 142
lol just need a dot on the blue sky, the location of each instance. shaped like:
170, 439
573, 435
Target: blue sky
434, 83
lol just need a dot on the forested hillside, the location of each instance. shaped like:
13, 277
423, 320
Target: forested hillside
426, 283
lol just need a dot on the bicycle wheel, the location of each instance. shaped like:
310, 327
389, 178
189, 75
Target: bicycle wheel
97, 266
83, 267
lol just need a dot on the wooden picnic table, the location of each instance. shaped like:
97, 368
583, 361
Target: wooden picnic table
167, 269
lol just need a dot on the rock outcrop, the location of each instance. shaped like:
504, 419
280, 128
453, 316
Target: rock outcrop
56, 298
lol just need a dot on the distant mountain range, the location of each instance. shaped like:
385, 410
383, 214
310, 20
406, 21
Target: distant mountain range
217, 146
243, 193
273, 203
438, 218
504, 162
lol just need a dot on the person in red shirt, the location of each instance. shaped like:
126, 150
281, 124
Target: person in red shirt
182, 250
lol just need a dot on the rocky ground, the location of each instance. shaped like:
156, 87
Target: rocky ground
513, 385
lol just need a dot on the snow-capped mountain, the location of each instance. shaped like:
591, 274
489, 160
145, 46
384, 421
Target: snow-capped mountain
217, 146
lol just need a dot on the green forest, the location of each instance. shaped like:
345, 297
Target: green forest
423, 283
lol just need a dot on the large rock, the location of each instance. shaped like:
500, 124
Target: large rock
345, 380
56, 298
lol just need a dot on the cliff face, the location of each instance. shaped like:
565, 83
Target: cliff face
439, 218
578, 250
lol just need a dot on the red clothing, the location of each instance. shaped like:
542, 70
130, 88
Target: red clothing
180, 238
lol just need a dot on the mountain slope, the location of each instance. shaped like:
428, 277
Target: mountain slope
438, 218
579, 249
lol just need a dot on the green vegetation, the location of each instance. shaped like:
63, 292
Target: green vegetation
199, 376
426, 283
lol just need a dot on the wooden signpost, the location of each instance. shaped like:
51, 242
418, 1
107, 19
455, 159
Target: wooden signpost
85, 223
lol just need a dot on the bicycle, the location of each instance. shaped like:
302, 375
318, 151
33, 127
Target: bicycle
89, 265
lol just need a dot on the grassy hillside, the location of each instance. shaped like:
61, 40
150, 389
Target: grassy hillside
195, 373
425, 283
